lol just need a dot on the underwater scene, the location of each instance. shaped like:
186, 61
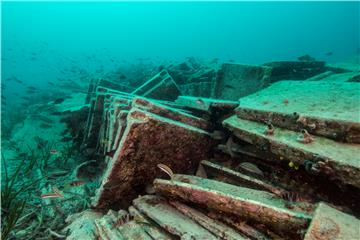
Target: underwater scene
180, 120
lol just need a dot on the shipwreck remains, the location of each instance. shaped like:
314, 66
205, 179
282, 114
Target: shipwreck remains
264, 159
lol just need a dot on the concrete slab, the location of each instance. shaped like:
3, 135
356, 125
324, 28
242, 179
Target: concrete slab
250, 204
161, 86
96, 112
147, 141
295, 70
219, 229
338, 161
240, 178
329, 223
238, 80
171, 219
133, 230
169, 112
329, 109
340, 77
150, 227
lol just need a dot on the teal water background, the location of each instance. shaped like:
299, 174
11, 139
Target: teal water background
63, 34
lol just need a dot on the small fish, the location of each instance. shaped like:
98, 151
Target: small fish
30, 91
250, 167
76, 183
200, 102
55, 194
329, 53
200, 172
111, 185
57, 174
110, 154
17, 80
232, 148
53, 152
166, 169
286, 102
149, 189
66, 139
229, 86
45, 126
50, 195
217, 135
122, 77
31, 88
306, 58
59, 100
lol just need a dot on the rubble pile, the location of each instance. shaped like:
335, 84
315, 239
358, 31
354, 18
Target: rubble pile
275, 164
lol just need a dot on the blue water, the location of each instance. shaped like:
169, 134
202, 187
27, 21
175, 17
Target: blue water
41, 41
246, 32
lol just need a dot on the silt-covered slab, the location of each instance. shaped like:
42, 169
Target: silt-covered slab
340, 161
327, 109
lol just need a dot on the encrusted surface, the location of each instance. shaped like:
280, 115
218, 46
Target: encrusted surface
169, 112
147, 141
252, 204
171, 219
337, 160
329, 109
329, 223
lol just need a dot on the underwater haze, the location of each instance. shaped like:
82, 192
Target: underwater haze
247, 32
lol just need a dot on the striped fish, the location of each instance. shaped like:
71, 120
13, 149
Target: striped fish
166, 169
55, 194
250, 167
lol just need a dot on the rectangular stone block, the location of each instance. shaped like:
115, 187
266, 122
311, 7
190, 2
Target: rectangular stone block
250, 204
338, 161
238, 80
148, 140
171, 219
161, 86
329, 223
328, 109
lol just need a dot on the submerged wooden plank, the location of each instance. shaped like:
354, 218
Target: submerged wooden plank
329, 223
253, 205
171, 219
339, 161
329, 109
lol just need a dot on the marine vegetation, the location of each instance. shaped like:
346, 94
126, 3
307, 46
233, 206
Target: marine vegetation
13, 195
